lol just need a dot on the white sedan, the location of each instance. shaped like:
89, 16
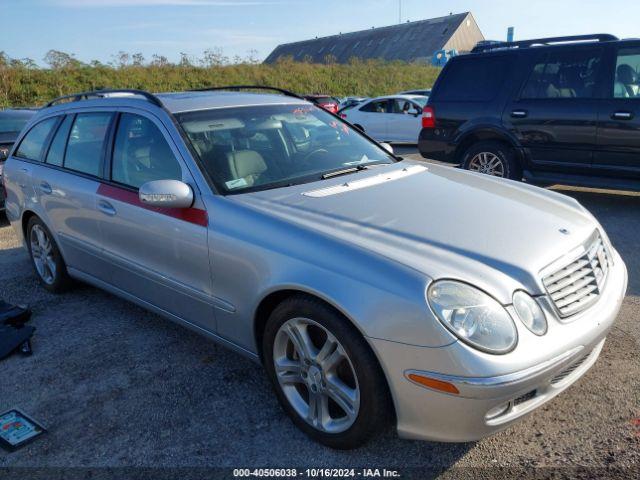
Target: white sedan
394, 119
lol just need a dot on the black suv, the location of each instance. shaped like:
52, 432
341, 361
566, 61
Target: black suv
556, 110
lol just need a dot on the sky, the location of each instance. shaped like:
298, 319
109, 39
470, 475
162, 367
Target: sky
98, 29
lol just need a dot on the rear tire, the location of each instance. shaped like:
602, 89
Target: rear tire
337, 374
46, 258
492, 158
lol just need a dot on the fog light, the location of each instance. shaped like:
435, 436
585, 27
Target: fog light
497, 411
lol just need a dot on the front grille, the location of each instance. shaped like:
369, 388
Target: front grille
577, 285
569, 370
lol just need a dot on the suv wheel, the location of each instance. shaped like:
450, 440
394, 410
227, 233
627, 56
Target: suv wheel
492, 158
46, 258
324, 374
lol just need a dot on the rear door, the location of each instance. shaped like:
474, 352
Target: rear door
618, 151
66, 184
373, 117
30, 151
159, 255
555, 112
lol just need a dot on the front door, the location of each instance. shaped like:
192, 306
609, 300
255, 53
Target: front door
159, 255
618, 152
404, 123
555, 113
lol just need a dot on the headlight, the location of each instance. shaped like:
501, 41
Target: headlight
530, 313
473, 316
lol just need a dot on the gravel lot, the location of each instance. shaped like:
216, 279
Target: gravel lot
118, 386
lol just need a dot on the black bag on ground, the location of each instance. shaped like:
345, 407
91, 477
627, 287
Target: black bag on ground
14, 315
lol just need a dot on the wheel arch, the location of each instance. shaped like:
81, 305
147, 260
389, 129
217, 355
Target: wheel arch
487, 134
26, 216
270, 301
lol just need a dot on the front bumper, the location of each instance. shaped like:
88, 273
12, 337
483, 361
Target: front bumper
510, 386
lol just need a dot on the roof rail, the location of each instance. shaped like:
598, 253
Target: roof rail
488, 46
288, 93
76, 97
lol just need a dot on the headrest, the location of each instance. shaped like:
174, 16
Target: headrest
626, 74
244, 163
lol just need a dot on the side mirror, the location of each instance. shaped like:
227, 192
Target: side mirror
387, 147
414, 112
166, 193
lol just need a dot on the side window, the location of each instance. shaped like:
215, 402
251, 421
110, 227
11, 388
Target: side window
405, 107
33, 143
472, 79
141, 153
564, 74
86, 141
375, 107
55, 156
626, 84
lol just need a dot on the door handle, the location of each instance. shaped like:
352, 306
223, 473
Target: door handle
519, 114
106, 208
45, 188
622, 116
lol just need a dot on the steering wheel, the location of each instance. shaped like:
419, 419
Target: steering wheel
317, 151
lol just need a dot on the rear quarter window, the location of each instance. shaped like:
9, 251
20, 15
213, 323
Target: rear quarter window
32, 145
472, 79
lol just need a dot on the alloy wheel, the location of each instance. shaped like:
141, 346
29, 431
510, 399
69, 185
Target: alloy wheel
42, 253
316, 375
487, 163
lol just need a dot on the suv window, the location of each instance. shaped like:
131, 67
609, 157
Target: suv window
472, 79
55, 156
141, 153
375, 107
33, 143
564, 74
86, 141
626, 83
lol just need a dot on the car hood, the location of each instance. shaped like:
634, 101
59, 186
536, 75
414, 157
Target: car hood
441, 221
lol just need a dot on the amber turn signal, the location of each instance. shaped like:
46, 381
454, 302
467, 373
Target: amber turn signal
434, 384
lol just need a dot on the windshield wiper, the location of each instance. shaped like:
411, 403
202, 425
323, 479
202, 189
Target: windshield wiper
344, 171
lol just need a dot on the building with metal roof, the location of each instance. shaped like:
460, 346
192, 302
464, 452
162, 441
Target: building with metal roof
410, 42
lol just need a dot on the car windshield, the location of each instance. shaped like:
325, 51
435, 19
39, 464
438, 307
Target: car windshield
422, 101
260, 147
12, 122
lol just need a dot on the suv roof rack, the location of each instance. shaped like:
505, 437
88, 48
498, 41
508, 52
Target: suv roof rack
76, 97
287, 93
488, 46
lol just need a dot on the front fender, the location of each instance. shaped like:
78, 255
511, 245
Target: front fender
255, 255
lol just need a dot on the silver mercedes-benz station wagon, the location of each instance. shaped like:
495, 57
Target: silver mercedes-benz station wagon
374, 290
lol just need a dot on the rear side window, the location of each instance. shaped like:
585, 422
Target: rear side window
141, 154
472, 79
86, 141
56, 150
564, 73
375, 107
33, 143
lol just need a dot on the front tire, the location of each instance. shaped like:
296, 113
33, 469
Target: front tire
492, 158
46, 258
325, 376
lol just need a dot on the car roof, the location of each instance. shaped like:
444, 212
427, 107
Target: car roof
191, 101
400, 96
181, 102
